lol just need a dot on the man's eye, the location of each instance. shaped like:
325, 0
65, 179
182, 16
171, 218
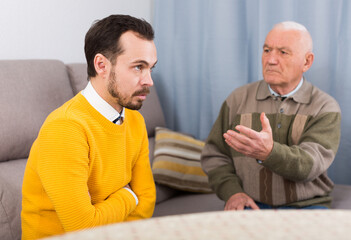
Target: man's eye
138, 68
266, 50
283, 52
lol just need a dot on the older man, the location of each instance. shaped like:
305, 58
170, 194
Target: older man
274, 139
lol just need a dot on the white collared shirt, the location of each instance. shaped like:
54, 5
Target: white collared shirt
100, 104
290, 93
105, 110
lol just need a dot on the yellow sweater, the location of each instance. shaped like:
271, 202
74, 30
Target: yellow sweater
78, 167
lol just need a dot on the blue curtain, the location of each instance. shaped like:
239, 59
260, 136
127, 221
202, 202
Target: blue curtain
207, 48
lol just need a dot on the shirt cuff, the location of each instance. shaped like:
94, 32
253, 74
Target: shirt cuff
135, 196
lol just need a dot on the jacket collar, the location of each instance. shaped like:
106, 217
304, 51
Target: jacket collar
303, 95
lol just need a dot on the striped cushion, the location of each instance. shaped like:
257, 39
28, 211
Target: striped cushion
177, 161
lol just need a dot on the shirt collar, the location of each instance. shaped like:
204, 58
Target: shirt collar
100, 104
301, 95
290, 93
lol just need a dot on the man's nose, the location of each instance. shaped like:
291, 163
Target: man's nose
147, 79
272, 58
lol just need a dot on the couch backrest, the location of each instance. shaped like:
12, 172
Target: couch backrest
29, 91
152, 112
151, 109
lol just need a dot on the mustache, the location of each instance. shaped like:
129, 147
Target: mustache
143, 91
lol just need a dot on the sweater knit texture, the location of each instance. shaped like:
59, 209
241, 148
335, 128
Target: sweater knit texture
306, 135
78, 168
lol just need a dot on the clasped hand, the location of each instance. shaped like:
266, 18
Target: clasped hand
253, 144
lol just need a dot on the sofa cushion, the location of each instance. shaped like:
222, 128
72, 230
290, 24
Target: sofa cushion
189, 203
78, 76
6, 208
341, 196
162, 192
152, 112
30, 90
11, 178
177, 161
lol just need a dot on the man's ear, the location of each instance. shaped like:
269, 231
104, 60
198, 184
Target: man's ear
101, 64
309, 57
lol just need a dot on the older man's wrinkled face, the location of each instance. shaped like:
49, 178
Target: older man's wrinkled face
284, 59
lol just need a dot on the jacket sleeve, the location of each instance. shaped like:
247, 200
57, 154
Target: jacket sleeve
216, 159
314, 152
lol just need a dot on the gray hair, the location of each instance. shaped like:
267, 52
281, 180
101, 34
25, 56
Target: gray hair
290, 25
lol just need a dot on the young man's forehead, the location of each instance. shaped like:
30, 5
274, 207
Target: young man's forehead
139, 51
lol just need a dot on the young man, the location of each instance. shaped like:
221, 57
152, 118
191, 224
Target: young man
89, 165
274, 139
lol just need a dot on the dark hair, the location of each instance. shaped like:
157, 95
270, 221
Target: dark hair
103, 37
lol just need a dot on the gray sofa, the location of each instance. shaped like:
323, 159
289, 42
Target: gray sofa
30, 90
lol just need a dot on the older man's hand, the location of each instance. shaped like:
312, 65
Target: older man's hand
253, 144
239, 201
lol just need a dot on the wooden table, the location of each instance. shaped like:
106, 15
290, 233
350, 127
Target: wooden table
249, 224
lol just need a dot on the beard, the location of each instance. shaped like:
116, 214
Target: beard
125, 101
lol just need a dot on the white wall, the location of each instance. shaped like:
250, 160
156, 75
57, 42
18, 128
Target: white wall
55, 29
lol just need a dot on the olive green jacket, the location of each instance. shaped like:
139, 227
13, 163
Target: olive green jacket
306, 135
